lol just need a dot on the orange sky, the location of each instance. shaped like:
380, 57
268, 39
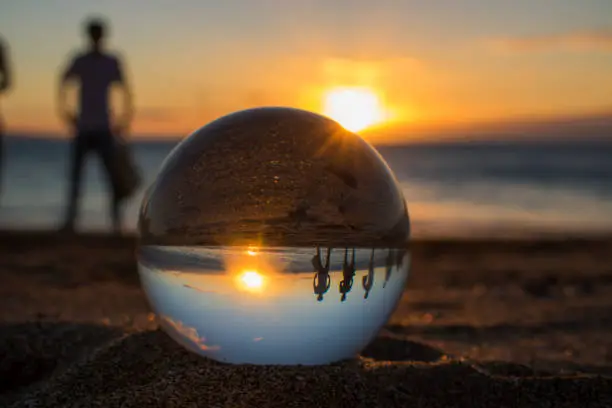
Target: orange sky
428, 64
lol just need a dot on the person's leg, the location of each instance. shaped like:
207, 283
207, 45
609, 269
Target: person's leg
1, 157
78, 150
1, 162
117, 212
106, 149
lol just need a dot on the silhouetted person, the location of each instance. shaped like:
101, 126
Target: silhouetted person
348, 271
321, 281
5, 84
368, 280
390, 261
95, 71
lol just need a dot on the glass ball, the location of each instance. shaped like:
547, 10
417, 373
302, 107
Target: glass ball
274, 236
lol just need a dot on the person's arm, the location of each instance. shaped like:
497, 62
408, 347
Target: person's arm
121, 79
5, 69
69, 74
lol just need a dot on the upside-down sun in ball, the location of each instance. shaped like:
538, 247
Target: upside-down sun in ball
274, 236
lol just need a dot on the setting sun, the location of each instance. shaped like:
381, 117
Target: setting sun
354, 108
251, 280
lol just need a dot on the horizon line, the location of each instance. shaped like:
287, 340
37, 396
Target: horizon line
441, 140
427, 128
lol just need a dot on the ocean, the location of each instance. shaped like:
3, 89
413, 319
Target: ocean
452, 189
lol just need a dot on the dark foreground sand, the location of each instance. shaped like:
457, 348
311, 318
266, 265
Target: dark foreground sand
497, 324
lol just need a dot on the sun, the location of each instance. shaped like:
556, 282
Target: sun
354, 108
250, 280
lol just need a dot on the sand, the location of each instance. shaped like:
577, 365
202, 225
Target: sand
481, 323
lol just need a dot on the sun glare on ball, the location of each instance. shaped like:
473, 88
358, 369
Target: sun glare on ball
354, 108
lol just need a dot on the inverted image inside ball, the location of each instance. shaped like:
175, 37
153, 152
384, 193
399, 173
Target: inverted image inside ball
252, 224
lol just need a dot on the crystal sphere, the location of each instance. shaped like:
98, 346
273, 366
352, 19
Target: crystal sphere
274, 236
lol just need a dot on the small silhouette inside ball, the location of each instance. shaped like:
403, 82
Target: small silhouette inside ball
274, 236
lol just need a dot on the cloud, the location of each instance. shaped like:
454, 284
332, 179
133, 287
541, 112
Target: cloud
199, 290
593, 40
185, 334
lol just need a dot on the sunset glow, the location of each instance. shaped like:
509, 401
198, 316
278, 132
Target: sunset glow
353, 108
454, 66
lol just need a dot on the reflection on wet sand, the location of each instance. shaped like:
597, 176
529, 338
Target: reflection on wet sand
267, 295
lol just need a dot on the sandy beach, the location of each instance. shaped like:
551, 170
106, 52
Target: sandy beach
504, 323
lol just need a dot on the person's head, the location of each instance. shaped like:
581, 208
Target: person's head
95, 29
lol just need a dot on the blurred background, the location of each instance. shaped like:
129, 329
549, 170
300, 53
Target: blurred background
496, 116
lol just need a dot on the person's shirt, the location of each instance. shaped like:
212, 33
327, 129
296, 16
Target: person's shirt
95, 72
